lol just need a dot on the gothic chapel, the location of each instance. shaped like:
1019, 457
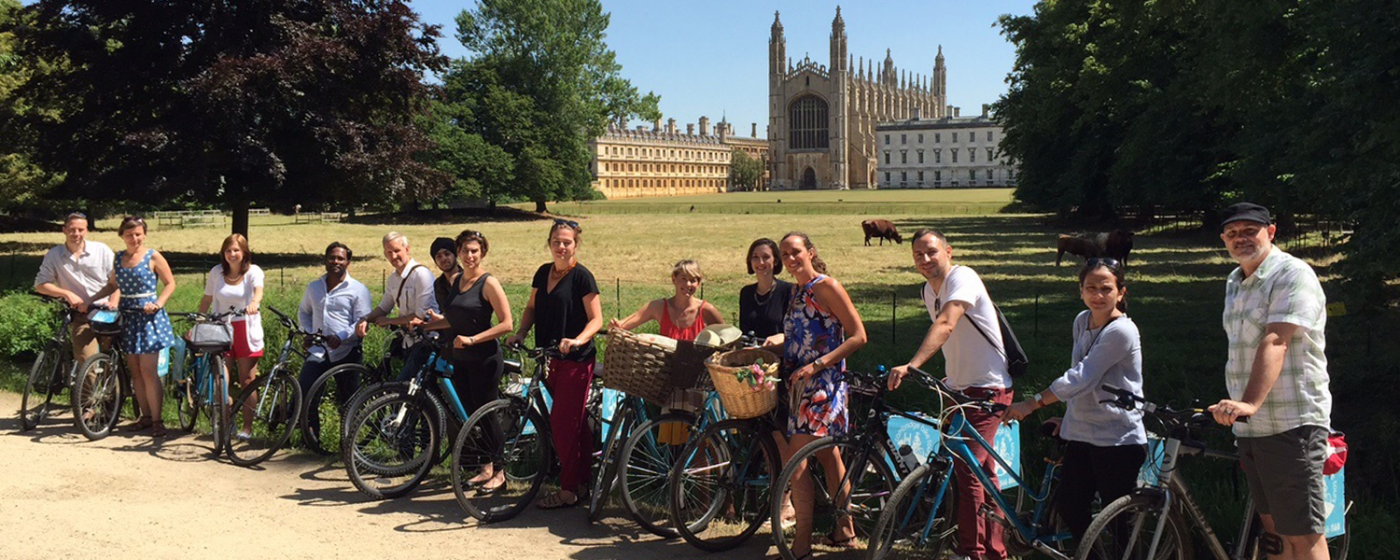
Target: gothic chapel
821, 119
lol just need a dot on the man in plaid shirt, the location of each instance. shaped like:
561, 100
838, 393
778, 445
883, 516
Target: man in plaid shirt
1275, 314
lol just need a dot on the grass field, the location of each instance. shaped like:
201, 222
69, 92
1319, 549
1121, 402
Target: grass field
1176, 282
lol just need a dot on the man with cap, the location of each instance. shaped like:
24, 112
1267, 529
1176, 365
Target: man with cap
410, 289
1276, 374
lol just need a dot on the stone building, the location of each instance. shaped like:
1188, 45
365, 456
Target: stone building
953, 151
666, 161
821, 118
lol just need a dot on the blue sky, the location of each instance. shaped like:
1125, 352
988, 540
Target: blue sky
711, 58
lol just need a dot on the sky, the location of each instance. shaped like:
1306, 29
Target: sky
711, 57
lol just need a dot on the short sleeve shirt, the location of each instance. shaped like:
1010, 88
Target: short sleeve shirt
1284, 289
236, 296
84, 274
972, 361
560, 313
410, 291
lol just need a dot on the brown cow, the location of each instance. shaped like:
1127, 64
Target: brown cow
1115, 244
1087, 247
882, 229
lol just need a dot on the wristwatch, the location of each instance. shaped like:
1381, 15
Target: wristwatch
818, 364
1039, 400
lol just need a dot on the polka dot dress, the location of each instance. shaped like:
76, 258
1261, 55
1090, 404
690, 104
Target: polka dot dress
141, 333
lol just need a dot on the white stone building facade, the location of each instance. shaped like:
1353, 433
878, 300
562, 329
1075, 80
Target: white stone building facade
948, 152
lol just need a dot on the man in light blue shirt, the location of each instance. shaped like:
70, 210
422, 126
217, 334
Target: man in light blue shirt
331, 306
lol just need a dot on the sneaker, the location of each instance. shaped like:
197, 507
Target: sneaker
243, 436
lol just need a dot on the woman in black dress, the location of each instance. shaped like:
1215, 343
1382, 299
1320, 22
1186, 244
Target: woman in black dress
763, 304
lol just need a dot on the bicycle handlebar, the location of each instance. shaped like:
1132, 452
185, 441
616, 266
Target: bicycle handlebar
958, 397
1127, 400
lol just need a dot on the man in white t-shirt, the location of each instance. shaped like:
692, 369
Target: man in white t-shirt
73, 272
965, 328
410, 289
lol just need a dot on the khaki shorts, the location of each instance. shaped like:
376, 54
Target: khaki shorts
1284, 472
84, 340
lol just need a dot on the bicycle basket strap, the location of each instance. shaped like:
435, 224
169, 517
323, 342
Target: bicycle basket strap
211, 337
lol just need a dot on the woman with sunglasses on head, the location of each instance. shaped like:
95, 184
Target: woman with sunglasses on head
763, 304
821, 329
564, 309
137, 273
1107, 445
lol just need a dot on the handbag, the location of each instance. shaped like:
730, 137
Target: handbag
211, 337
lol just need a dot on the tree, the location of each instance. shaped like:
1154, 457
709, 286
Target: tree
236, 101
745, 173
539, 85
22, 180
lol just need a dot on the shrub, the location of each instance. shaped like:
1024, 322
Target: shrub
26, 322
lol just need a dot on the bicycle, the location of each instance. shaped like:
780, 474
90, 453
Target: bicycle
101, 384
320, 412
52, 370
269, 409
525, 450
205, 387
919, 518
1151, 521
399, 428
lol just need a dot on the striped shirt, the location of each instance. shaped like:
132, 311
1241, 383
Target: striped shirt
1284, 289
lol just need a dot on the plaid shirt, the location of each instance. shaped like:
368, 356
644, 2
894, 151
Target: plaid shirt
1284, 289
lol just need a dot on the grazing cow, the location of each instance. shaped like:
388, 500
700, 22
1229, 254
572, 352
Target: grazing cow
1115, 244
882, 229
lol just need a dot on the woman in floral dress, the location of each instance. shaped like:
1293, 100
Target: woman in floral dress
821, 330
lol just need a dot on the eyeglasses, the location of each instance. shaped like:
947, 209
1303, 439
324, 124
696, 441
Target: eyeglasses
1111, 264
570, 223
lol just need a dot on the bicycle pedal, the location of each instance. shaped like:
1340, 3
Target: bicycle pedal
990, 512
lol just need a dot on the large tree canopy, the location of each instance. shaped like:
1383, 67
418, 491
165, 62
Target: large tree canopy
539, 84
22, 180
236, 101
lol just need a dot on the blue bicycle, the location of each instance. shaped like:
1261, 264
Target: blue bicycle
205, 387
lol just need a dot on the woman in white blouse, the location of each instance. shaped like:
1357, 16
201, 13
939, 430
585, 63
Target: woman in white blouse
236, 284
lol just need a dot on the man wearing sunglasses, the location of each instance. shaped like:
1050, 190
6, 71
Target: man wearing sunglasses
73, 272
1276, 374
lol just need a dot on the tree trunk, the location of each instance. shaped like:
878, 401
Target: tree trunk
239, 209
491, 206
539, 206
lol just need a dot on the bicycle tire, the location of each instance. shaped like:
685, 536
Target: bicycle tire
871, 487
720, 485
217, 407
646, 462
605, 479
187, 395
917, 522
363, 395
391, 444
102, 393
526, 455
274, 403
1132, 519
41, 381
320, 415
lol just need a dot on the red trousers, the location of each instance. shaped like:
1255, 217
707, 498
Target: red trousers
978, 536
569, 383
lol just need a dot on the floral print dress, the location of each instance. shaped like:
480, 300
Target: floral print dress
818, 406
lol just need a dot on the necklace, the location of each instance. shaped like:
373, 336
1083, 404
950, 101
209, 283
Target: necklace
764, 301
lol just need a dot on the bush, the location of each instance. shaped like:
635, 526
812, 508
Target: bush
26, 322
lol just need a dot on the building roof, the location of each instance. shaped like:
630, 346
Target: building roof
938, 124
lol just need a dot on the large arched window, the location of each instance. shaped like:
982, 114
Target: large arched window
807, 124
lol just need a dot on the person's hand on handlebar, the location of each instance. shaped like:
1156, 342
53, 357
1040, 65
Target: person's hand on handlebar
74, 301
251, 309
897, 374
567, 345
1018, 411
332, 342
1226, 412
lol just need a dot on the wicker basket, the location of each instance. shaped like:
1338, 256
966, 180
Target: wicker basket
739, 398
639, 364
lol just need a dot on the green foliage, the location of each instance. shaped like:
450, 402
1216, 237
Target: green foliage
745, 173
26, 322
22, 180
516, 117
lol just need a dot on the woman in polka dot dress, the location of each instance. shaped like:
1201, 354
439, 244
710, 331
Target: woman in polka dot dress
143, 335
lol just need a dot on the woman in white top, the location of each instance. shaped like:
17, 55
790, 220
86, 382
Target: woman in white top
236, 284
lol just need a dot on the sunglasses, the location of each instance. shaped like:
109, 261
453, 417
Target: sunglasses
570, 223
1111, 264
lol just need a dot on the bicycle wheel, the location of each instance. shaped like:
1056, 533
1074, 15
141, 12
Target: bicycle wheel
605, 468
321, 426
43, 382
524, 451
646, 462
391, 444
720, 485
365, 394
862, 474
97, 396
217, 407
264, 416
1125, 529
919, 520
187, 395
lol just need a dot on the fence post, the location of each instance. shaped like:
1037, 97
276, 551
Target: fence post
1036, 334
894, 299
617, 307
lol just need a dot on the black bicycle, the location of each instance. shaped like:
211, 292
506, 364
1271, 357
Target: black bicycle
265, 413
52, 371
102, 384
325, 420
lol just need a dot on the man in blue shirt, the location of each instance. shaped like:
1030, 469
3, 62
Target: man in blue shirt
332, 305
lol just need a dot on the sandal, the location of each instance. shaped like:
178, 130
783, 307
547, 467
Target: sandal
555, 501
141, 424
831, 541
158, 430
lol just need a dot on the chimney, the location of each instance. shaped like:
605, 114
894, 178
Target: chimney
754, 131
641, 128
656, 125
917, 112
704, 126
670, 126
957, 111
690, 129
986, 110
948, 111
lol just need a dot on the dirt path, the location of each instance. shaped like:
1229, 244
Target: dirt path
62, 496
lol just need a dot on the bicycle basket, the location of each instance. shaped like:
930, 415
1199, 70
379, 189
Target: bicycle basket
211, 337
105, 322
740, 398
639, 365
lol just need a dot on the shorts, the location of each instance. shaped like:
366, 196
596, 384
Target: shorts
240, 342
1284, 472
